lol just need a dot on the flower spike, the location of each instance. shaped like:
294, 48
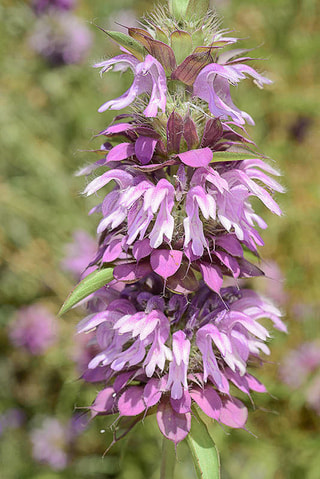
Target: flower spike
177, 327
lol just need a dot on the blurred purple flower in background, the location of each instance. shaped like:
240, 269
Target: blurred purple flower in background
49, 444
77, 424
303, 311
300, 363
313, 393
61, 38
123, 19
298, 368
272, 284
79, 254
42, 6
84, 350
12, 418
52, 440
34, 328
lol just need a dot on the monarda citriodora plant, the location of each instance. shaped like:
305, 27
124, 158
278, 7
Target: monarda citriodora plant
174, 330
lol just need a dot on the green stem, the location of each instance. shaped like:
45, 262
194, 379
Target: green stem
168, 461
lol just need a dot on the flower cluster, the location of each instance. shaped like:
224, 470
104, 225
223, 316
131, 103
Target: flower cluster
168, 331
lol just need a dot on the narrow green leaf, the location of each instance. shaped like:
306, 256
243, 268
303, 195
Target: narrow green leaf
127, 42
88, 285
138, 34
231, 156
204, 452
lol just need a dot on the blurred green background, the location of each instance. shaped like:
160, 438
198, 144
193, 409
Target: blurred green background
48, 116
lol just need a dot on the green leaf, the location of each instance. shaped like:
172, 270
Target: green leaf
197, 38
127, 42
138, 34
231, 156
204, 452
160, 34
88, 285
178, 8
168, 460
181, 44
188, 8
197, 8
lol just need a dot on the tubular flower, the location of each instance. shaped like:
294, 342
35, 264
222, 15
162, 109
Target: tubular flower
149, 77
168, 333
212, 85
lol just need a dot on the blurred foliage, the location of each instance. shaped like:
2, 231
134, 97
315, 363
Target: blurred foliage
47, 116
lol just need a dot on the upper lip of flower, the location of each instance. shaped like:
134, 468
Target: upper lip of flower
149, 77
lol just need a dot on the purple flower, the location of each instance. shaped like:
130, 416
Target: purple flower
178, 368
79, 254
212, 86
149, 77
123, 17
61, 38
313, 394
42, 6
12, 418
178, 349
83, 351
51, 442
300, 369
272, 285
34, 328
299, 363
